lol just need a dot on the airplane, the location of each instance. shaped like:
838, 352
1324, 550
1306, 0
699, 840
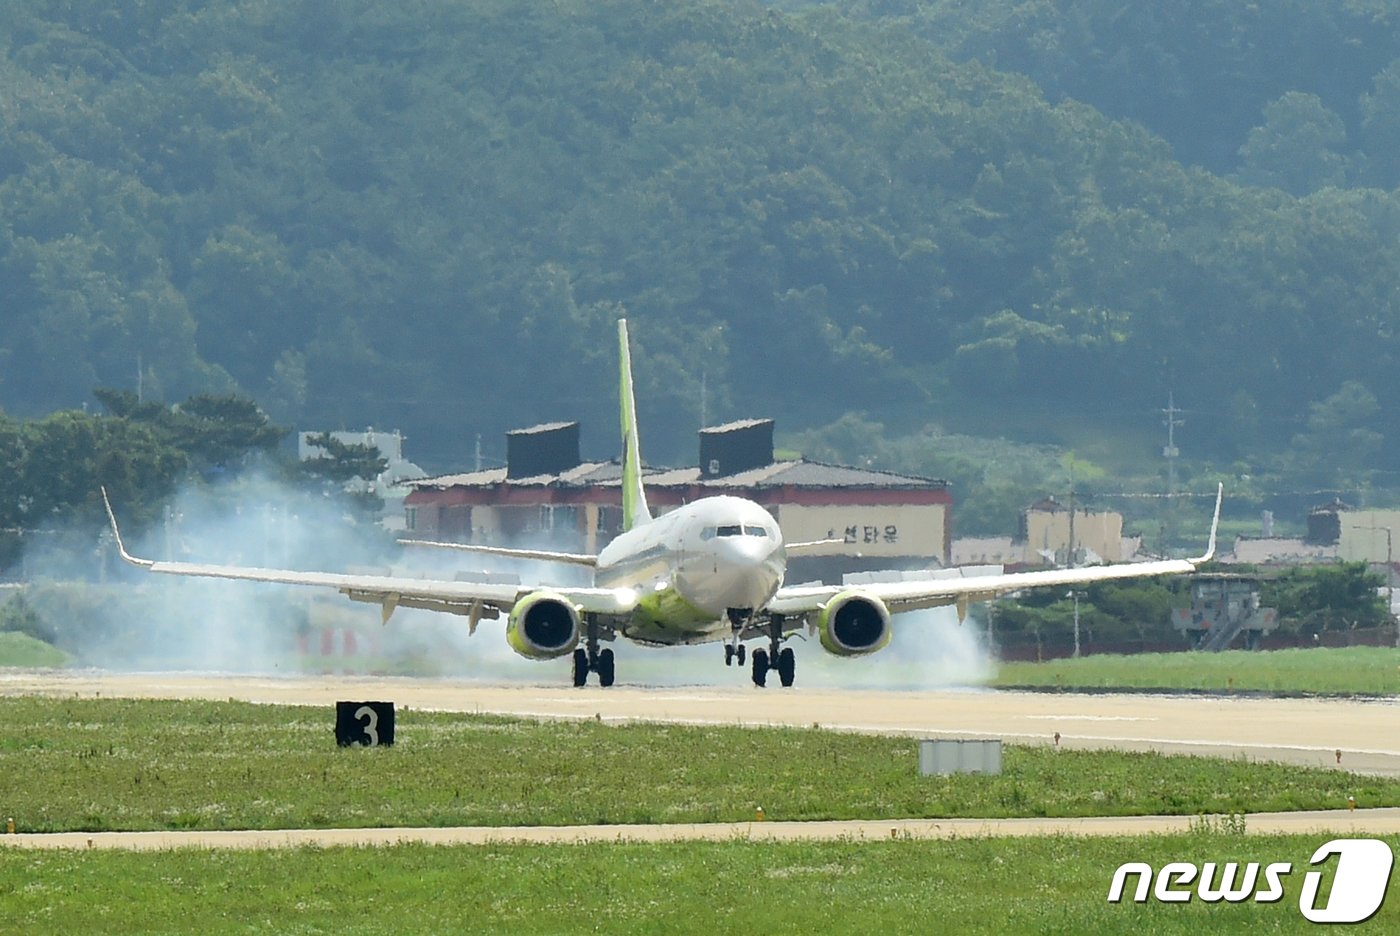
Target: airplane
708, 571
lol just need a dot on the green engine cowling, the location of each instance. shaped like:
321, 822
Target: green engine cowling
543, 625
854, 624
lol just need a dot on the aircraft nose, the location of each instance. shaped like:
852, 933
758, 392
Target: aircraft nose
732, 575
748, 573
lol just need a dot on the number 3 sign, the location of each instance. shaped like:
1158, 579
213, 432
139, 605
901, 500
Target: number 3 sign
368, 724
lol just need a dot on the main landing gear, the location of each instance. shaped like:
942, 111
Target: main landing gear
593, 660
775, 657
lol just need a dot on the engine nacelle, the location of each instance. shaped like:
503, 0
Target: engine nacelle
543, 625
853, 624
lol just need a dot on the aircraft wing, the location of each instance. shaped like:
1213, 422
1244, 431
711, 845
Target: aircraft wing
932, 593
583, 559
472, 599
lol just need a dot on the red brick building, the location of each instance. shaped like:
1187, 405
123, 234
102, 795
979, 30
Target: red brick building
546, 495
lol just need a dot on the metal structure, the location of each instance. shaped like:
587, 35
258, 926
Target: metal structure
944, 756
1224, 605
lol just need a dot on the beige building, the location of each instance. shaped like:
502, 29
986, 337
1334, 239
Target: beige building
1097, 536
1368, 535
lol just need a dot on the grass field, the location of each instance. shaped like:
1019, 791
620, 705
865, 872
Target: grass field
1347, 671
93, 765
1050, 885
22, 650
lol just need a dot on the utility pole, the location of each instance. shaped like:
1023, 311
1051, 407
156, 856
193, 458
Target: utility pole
1389, 572
704, 397
1075, 595
1071, 557
1171, 453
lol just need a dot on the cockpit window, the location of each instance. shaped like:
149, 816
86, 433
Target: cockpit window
733, 529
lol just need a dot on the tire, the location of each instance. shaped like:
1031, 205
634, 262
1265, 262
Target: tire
729, 655
760, 668
580, 667
787, 666
742, 652
605, 668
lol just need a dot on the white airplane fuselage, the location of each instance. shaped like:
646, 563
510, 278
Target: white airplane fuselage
694, 565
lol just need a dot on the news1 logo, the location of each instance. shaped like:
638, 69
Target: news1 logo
1358, 884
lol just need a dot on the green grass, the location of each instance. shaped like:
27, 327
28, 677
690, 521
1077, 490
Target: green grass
1048, 885
1349, 671
18, 649
91, 765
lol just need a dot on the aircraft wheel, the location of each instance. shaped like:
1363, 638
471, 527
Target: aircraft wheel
740, 654
760, 668
787, 666
729, 655
605, 668
580, 667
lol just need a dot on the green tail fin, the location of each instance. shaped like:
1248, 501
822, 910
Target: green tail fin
634, 498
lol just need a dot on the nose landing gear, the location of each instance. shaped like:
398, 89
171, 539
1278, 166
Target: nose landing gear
739, 618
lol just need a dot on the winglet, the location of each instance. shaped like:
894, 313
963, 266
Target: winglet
634, 497
117, 535
1214, 527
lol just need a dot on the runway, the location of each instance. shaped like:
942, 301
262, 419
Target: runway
1298, 731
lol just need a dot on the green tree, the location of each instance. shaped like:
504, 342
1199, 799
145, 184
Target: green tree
1380, 127
216, 433
1299, 147
1338, 445
1327, 597
343, 461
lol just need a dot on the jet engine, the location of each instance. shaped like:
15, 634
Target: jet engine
854, 624
543, 625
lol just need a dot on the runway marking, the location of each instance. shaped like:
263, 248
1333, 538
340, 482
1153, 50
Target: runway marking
932, 731
1092, 717
1367, 822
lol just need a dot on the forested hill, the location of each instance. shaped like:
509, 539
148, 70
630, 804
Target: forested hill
428, 216
1292, 93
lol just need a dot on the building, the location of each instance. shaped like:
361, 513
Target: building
1050, 532
547, 495
1368, 535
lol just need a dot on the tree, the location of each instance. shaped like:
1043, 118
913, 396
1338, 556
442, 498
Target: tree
1297, 148
216, 433
343, 461
1380, 128
1327, 597
1338, 446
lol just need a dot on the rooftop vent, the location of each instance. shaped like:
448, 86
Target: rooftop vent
735, 447
546, 449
